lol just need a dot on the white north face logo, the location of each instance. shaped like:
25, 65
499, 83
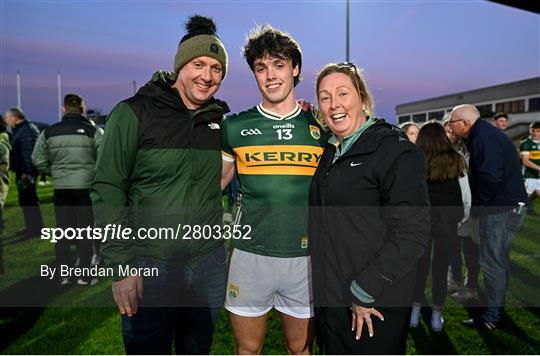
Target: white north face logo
81, 131
249, 132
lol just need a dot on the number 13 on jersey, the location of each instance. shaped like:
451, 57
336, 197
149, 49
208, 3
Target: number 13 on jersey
284, 134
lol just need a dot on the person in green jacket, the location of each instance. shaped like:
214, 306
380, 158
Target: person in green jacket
159, 169
5, 148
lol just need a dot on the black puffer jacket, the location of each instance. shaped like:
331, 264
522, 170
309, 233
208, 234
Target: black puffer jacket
24, 138
369, 219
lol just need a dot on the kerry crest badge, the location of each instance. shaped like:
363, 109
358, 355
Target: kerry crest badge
315, 132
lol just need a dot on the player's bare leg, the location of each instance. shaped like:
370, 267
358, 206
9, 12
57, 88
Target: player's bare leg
248, 333
299, 334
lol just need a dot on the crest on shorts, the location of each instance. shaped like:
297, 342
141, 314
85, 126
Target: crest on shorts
315, 132
234, 291
304, 242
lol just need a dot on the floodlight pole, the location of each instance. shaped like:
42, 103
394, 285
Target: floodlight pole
347, 58
59, 84
19, 103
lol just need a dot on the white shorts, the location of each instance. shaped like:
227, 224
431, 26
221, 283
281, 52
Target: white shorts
532, 184
257, 283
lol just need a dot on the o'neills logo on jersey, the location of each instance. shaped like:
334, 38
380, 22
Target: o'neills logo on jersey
278, 159
283, 126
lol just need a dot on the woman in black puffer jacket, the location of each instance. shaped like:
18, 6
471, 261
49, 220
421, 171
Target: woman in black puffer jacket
368, 222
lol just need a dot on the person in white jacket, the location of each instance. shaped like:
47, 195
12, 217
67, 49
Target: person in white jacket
469, 238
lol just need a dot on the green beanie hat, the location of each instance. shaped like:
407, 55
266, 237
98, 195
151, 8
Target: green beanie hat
201, 40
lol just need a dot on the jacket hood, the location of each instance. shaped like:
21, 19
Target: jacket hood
372, 137
161, 90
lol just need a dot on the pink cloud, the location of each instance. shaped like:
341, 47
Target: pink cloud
103, 62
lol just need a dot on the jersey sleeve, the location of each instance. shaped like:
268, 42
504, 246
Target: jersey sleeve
524, 147
227, 152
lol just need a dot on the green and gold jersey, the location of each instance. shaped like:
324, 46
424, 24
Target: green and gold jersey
275, 160
532, 148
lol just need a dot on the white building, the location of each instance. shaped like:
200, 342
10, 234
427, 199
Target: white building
520, 100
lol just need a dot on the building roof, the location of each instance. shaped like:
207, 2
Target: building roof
519, 88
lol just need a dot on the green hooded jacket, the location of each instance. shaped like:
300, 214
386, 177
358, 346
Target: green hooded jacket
159, 167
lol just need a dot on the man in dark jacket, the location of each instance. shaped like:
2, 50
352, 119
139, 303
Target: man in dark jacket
68, 150
160, 167
498, 200
23, 140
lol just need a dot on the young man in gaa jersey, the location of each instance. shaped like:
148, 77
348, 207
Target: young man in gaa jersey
276, 148
530, 158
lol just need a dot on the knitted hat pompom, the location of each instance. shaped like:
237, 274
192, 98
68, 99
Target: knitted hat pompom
197, 23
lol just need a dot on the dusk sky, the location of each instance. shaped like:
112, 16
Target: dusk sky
410, 50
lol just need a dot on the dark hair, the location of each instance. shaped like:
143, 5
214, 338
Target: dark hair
73, 103
443, 162
3, 124
268, 41
17, 112
535, 125
499, 115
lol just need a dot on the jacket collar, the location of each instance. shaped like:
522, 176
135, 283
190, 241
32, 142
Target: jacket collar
371, 138
75, 117
20, 125
342, 146
474, 128
211, 111
160, 88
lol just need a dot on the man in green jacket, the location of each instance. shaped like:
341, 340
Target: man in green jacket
67, 151
159, 170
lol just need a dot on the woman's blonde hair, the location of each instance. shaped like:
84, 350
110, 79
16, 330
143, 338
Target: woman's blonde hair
357, 78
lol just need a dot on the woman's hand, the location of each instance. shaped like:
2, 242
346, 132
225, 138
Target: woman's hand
361, 315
